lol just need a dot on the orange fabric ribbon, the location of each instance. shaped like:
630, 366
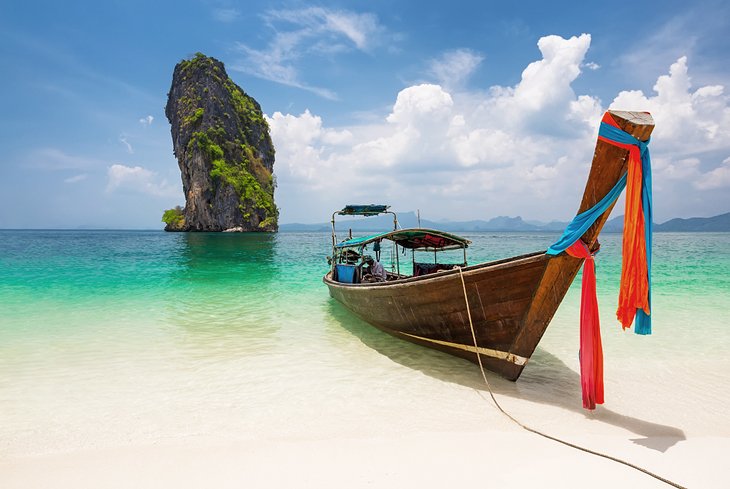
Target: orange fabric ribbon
634, 288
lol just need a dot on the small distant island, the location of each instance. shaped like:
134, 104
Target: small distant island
224, 150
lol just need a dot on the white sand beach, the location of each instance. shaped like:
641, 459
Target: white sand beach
435, 432
498, 458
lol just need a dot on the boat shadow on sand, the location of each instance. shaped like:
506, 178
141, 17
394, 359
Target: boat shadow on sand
549, 382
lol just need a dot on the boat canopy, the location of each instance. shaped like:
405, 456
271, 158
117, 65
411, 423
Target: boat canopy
416, 238
363, 210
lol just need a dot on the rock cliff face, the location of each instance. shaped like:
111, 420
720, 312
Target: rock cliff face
226, 157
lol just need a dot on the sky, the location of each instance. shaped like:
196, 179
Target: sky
460, 110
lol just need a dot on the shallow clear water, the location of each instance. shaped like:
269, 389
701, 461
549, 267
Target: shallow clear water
118, 337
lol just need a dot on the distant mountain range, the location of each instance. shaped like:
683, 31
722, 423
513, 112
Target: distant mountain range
410, 220
719, 223
715, 224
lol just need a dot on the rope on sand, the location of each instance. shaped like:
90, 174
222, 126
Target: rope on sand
532, 430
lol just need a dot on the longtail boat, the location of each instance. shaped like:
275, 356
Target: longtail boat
511, 301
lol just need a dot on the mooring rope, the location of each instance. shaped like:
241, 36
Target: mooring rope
537, 432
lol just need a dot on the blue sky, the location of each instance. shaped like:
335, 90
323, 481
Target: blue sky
464, 110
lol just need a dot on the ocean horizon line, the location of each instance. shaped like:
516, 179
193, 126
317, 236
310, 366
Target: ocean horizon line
719, 223
294, 231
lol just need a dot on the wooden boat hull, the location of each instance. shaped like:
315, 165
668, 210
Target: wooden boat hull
510, 308
511, 301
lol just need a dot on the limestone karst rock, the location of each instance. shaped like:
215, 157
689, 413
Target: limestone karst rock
226, 156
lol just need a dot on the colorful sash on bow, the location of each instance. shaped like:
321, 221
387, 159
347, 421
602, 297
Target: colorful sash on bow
634, 292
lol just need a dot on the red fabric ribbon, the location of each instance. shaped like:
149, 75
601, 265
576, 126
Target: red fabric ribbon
591, 351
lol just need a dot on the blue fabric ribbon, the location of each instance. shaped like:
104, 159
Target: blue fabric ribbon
580, 223
642, 323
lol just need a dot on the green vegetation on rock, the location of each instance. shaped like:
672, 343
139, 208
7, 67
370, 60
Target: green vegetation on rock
197, 115
174, 218
252, 195
244, 105
198, 59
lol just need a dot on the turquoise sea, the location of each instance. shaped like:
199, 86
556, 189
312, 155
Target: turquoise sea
110, 338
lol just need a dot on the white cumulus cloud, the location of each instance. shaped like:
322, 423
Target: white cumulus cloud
146, 121
687, 120
136, 179
543, 100
510, 150
422, 103
692, 133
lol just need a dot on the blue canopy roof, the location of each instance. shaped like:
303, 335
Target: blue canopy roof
416, 238
363, 210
